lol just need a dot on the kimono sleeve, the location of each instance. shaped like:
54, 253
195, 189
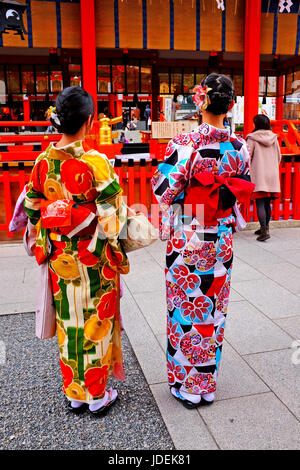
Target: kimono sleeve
33, 196
172, 175
244, 165
111, 208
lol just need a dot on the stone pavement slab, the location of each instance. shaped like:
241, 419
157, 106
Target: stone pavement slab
236, 378
149, 278
269, 297
241, 271
252, 423
253, 253
291, 256
291, 325
249, 331
143, 341
285, 274
277, 370
234, 296
18, 280
12, 250
154, 311
186, 428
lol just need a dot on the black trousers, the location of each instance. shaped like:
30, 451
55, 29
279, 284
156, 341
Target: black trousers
263, 208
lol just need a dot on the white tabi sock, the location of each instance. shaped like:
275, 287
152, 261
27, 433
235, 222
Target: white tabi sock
188, 396
208, 396
99, 404
76, 404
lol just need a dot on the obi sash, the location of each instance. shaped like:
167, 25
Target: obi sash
217, 193
67, 217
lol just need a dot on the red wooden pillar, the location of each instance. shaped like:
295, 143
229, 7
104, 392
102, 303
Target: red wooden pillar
26, 108
279, 99
119, 106
251, 62
88, 45
155, 92
111, 104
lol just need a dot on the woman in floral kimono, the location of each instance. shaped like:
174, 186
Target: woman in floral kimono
75, 203
196, 190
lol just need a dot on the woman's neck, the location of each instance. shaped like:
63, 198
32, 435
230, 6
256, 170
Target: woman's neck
213, 120
69, 139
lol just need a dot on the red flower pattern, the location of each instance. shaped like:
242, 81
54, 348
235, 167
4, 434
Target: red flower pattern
175, 371
95, 380
107, 305
76, 176
187, 281
173, 334
224, 251
198, 310
67, 373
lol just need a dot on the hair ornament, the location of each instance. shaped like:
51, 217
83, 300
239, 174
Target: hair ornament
201, 97
51, 114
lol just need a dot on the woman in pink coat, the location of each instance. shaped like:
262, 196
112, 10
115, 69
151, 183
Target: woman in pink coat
264, 170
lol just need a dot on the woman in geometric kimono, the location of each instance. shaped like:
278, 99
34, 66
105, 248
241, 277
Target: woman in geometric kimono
199, 248
75, 202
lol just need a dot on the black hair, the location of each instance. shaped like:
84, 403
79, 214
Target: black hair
261, 121
221, 93
74, 105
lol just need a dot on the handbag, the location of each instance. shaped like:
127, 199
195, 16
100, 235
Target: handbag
140, 232
45, 314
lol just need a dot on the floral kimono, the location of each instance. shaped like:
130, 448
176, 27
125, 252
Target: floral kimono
199, 257
75, 202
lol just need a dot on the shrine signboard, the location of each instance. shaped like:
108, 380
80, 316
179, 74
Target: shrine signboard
168, 130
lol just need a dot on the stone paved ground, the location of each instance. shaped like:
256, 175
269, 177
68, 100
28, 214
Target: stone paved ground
258, 397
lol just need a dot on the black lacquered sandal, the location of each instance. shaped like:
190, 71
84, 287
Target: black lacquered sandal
204, 402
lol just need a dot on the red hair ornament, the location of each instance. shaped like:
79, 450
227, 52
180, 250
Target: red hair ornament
201, 97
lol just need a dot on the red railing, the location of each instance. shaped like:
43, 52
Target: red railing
288, 206
17, 160
288, 136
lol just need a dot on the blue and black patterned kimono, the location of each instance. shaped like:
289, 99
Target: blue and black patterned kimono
199, 257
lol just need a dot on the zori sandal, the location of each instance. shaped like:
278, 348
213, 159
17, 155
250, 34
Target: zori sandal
112, 397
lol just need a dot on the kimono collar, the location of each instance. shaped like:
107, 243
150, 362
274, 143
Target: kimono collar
73, 150
214, 133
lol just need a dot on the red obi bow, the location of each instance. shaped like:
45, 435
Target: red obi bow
204, 189
67, 215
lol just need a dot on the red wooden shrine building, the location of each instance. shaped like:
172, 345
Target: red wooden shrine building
126, 52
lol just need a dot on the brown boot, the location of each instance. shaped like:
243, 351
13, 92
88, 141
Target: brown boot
264, 234
258, 232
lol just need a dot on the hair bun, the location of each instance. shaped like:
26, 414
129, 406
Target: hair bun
74, 106
221, 94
